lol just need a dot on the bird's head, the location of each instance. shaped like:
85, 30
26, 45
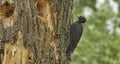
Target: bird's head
82, 19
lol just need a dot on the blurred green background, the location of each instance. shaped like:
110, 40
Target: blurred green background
100, 42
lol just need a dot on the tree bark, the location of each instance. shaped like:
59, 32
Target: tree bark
34, 31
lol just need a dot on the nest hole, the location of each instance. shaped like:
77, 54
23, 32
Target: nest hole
44, 9
7, 9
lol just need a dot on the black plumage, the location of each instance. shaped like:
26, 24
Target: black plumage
76, 30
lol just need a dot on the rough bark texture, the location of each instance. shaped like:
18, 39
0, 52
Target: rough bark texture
34, 31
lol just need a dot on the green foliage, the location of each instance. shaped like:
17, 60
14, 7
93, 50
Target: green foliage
97, 46
119, 6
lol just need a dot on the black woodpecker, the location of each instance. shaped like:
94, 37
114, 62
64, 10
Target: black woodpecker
76, 30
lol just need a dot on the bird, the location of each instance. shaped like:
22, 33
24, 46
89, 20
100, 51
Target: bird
76, 30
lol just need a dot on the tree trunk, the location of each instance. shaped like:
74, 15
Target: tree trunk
34, 31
